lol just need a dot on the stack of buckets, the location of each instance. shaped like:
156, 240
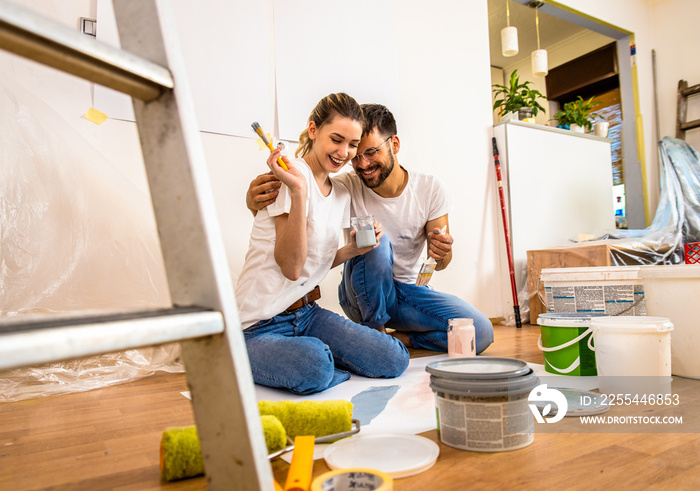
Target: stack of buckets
597, 324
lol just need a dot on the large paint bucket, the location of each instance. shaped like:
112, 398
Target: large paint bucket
482, 403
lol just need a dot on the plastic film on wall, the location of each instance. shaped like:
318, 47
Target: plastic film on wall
75, 235
677, 218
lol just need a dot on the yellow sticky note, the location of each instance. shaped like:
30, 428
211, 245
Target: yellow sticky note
261, 143
95, 116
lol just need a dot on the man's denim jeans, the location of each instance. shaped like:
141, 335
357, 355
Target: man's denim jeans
369, 295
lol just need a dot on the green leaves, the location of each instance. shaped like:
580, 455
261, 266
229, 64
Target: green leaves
516, 95
578, 112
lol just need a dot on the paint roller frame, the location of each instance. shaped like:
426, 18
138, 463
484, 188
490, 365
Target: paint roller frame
321, 439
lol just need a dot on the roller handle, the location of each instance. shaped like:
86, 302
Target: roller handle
299, 475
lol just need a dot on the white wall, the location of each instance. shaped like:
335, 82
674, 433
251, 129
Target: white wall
445, 125
676, 59
444, 90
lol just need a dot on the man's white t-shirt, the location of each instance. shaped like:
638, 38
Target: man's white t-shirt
403, 218
262, 290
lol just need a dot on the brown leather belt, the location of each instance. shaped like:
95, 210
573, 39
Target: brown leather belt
312, 296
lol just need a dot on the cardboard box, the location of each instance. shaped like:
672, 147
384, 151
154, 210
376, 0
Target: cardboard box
583, 255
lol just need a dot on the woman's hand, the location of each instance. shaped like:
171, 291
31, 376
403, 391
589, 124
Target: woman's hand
293, 178
378, 233
351, 250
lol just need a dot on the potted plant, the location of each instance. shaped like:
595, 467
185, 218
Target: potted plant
578, 115
517, 98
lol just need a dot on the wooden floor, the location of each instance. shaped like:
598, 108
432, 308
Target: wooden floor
108, 439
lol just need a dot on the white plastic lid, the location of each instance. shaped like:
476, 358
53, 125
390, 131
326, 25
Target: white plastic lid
396, 454
671, 271
633, 324
595, 273
568, 319
580, 402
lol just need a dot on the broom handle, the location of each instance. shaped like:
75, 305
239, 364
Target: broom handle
516, 307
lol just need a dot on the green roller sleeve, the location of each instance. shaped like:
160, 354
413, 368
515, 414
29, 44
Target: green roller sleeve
317, 418
181, 456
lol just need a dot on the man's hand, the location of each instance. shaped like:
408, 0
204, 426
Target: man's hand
440, 248
262, 192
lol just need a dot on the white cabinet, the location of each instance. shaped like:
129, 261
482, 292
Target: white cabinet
557, 184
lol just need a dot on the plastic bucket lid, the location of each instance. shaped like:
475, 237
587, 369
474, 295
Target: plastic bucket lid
568, 319
671, 271
595, 273
632, 324
486, 388
478, 368
482, 376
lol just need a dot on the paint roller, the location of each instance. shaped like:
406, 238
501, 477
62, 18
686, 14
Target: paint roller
180, 453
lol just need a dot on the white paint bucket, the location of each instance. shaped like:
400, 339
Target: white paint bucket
673, 291
611, 290
482, 403
633, 354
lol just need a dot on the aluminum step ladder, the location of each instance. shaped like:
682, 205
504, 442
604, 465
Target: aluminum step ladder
682, 109
205, 317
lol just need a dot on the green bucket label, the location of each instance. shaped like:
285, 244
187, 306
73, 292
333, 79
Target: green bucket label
561, 361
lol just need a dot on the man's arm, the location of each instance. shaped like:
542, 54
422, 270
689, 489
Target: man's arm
439, 245
262, 192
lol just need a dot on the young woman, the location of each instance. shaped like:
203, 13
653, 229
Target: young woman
292, 342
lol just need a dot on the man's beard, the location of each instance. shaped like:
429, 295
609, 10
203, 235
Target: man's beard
384, 172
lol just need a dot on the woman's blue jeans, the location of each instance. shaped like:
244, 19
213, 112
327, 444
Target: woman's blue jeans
310, 349
369, 295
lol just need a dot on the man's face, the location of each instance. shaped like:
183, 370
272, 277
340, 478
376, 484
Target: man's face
374, 172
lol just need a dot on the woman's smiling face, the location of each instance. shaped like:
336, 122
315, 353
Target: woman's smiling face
334, 143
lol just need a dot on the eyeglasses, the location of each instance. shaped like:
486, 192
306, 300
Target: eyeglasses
370, 154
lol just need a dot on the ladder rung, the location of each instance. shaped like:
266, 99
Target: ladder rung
32, 340
695, 89
689, 125
37, 38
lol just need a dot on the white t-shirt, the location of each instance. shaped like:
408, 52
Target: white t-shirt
403, 218
262, 291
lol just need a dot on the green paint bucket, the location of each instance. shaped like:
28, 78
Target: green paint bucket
567, 343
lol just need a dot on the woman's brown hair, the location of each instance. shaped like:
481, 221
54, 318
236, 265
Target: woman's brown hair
339, 104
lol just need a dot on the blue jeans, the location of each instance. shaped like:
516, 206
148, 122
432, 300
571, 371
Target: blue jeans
369, 295
305, 351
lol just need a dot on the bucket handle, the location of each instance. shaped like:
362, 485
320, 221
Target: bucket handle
567, 344
569, 369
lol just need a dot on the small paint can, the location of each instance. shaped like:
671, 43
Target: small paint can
461, 341
482, 403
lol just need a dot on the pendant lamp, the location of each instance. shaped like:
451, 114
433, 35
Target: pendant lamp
509, 36
539, 56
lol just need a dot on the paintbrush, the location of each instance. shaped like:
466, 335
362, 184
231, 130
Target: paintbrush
428, 268
268, 143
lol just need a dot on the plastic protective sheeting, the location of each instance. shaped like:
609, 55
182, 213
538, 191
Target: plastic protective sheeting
677, 219
75, 235
676, 222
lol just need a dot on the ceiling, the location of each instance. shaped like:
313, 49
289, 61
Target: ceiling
552, 30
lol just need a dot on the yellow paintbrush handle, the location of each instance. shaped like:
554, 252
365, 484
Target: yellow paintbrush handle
279, 159
299, 475
258, 129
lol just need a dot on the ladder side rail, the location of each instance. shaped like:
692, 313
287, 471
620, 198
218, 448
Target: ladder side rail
34, 343
681, 109
32, 36
218, 369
